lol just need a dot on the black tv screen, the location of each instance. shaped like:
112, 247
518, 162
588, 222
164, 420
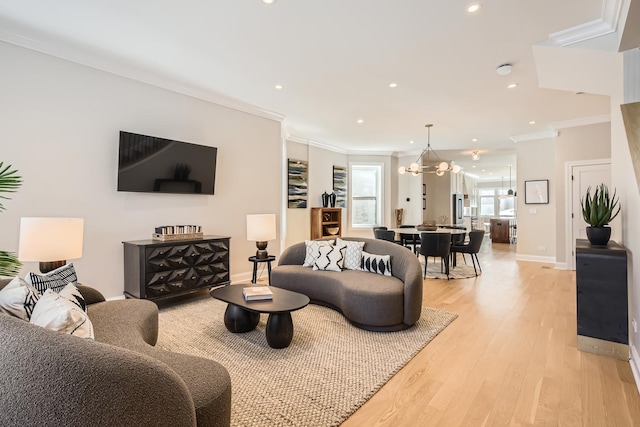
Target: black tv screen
158, 165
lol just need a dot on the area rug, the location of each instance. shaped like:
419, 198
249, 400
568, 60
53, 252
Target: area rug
330, 369
460, 271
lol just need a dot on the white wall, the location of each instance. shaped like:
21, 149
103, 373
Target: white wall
60, 124
624, 180
536, 223
409, 187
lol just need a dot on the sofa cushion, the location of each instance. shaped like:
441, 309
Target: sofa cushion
353, 255
312, 248
55, 279
55, 312
18, 298
379, 264
330, 258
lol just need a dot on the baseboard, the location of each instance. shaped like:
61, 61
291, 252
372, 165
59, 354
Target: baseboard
562, 266
245, 276
536, 258
635, 359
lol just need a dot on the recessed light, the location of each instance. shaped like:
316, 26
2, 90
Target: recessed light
532, 122
268, 1
410, 142
473, 166
474, 139
393, 85
512, 85
473, 8
483, 170
279, 87
359, 121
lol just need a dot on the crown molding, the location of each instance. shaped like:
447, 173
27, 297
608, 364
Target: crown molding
534, 136
313, 143
75, 54
583, 121
611, 13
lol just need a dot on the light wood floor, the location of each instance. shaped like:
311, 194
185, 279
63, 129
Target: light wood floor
509, 359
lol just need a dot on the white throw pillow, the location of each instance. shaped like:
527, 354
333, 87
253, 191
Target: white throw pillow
57, 313
55, 280
379, 264
353, 255
19, 298
330, 258
312, 247
72, 293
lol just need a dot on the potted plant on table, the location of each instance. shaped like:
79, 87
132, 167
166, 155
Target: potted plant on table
9, 183
598, 211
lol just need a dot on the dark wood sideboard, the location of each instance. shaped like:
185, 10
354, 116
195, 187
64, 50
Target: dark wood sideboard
156, 269
500, 230
602, 299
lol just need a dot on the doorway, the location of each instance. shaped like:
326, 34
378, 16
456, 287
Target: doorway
580, 176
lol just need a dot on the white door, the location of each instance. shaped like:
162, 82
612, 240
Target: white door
583, 176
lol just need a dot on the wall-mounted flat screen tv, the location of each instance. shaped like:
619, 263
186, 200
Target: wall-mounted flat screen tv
156, 165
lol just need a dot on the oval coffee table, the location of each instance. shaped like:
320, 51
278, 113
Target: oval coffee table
243, 316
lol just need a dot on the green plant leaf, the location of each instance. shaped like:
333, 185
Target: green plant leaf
600, 208
9, 181
9, 264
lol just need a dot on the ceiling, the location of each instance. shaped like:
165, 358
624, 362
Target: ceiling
335, 60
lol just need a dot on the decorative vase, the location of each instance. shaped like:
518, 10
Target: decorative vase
598, 236
332, 199
325, 199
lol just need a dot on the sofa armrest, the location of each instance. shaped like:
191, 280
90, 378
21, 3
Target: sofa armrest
82, 382
293, 255
91, 295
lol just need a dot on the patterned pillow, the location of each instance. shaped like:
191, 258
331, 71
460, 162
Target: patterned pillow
352, 258
330, 258
379, 264
19, 298
54, 280
72, 293
57, 313
312, 247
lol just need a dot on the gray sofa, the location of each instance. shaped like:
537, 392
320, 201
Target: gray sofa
120, 379
368, 300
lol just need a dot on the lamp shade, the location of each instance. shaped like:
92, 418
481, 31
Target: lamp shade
261, 227
50, 239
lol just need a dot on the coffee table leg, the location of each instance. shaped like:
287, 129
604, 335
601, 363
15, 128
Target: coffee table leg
237, 319
279, 330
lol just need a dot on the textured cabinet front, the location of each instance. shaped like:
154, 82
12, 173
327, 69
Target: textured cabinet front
602, 303
161, 269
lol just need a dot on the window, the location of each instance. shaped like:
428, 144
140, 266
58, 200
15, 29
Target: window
495, 202
366, 195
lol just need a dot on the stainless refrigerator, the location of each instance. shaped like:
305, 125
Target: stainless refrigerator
457, 209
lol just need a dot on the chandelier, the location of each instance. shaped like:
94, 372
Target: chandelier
415, 169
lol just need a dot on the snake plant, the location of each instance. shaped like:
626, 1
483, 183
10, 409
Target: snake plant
600, 209
9, 183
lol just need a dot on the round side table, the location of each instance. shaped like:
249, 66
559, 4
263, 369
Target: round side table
255, 262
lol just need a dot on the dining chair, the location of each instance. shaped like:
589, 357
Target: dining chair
410, 240
436, 245
472, 248
388, 235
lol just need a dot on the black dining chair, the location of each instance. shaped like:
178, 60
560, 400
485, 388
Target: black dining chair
436, 245
410, 240
472, 248
388, 235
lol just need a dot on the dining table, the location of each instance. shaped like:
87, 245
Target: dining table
416, 233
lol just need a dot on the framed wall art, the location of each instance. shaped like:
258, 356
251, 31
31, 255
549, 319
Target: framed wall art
536, 192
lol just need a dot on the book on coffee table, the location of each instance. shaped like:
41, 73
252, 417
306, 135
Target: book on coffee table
253, 293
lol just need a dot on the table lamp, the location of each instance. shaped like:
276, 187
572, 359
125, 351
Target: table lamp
261, 228
50, 241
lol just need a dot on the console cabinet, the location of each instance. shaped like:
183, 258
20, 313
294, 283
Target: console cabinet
155, 269
602, 299
500, 230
